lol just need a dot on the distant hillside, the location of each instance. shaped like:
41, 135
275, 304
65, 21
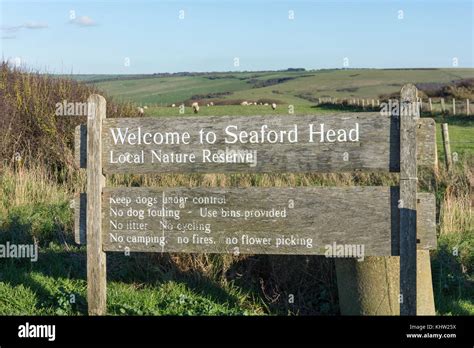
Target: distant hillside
296, 86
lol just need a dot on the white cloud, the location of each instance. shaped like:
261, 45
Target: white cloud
11, 29
83, 21
35, 25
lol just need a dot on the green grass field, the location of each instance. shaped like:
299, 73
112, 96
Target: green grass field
363, 83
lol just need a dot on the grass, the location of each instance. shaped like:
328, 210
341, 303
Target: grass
362, 83
221, 110
461, 135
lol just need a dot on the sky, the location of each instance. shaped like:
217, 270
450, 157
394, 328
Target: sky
143, 37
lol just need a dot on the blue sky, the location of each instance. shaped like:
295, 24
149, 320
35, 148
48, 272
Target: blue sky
102, 35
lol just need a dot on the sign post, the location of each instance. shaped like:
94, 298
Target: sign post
331, 221
96, 259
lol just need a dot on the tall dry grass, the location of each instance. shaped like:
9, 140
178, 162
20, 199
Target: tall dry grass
29, 126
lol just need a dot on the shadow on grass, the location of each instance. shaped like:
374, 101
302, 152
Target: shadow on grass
345, 107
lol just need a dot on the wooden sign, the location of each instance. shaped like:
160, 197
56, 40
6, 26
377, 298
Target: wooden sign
300, 221
169, 144
380, 221
250, 144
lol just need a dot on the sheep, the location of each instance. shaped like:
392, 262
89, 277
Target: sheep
211, 103
254, 103
140, 110
145, 107
266, 104
260, 103
274, 106
207, 105
173, 105
195, 107
244, 103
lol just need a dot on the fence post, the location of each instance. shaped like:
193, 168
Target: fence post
467, 107
431, 105
409, 114
454, 106
447, 147
96, 259
442, 105
372, 287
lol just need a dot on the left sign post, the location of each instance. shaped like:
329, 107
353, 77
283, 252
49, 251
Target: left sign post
96, 259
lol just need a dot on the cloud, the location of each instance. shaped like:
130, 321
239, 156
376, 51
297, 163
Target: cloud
9, 32
10, 29
35, 25
83, 21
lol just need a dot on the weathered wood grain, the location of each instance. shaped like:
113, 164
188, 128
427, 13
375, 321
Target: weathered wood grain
426, 155
426, 139
96, 260
80, 218
344, 215
80, 145
377, 149
408, 189
447, 147
426, 218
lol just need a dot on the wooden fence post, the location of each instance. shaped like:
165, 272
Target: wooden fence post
447, 147
409, 114
372, 287
467, 107
442, 105
96, 259
454, 106
431, 105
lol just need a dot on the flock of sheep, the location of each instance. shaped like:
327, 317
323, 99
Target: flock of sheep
195, 106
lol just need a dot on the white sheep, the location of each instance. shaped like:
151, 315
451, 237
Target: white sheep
254, 103
266, 104
145, 107
244, 103
140, 110
195, 107
274, 106
173, 105
211, 103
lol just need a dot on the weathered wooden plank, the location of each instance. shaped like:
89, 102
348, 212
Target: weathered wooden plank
374, 144
426, 221
80, 145
326, 215
426, 218
408, 189
426, 155
80, 218
96, 260
426, 138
